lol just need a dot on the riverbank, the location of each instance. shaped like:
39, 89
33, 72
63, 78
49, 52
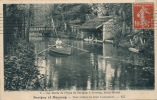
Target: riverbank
144, 45
20, 72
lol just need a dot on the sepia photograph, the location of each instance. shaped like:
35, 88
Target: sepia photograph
78, 46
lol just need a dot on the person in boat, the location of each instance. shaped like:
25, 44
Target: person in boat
58, 43
90, 38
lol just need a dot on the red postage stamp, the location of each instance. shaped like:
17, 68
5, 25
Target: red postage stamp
143, 16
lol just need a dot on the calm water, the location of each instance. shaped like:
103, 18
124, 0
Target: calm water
104, 67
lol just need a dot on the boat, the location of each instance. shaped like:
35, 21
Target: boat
109, 41
101, 41
134, 50
63, 50
88, 39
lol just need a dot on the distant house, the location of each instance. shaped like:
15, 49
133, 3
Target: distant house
99, 28
74, 25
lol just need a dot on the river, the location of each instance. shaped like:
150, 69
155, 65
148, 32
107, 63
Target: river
104, 67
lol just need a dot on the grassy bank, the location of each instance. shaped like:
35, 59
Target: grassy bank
143, 40
20, 72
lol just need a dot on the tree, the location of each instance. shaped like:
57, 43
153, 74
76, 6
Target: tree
16, 20
63, 13
122, 10
28, 22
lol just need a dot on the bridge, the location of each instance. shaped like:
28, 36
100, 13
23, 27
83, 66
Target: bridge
40, 28
41, 31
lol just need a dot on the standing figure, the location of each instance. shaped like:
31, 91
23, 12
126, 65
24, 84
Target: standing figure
58, 43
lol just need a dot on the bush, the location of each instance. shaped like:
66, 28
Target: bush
19, 67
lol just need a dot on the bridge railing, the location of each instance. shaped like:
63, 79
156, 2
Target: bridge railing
40, 28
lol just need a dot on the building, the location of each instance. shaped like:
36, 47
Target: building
103, 28
74, 27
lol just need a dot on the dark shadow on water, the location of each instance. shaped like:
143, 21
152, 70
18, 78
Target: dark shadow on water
54, 54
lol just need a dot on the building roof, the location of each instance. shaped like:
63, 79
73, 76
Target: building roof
95, 23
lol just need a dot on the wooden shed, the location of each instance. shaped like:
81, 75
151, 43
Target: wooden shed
99, 28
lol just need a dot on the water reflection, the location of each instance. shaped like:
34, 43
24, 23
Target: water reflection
104, 67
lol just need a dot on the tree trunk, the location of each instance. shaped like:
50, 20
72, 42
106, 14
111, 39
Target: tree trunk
124, 24
28, 23
54, 27
24, 27
20, 28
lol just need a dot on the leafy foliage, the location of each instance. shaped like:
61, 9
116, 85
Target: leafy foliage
68, 12
19, 68
15, 23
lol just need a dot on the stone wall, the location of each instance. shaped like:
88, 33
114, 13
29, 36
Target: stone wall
110, 29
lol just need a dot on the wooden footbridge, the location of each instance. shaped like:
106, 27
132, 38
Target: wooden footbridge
40, 28
44, 30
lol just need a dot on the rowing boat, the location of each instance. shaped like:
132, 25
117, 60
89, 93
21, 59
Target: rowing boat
63, 50
88, 39
134, 50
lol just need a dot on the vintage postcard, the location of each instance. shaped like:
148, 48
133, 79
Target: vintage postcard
83, 50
